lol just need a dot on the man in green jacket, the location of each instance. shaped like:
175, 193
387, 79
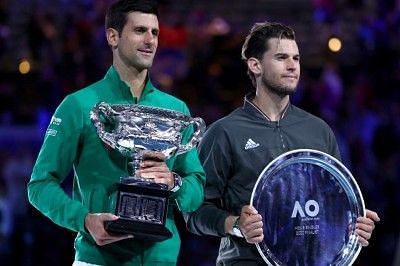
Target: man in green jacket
71, 142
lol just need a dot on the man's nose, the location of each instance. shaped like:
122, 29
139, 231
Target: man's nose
291, 64
149, 38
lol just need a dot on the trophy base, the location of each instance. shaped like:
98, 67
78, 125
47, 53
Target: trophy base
142, 207
142, 182
139, 230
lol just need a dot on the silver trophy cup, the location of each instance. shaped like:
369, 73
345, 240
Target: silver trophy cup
135, 131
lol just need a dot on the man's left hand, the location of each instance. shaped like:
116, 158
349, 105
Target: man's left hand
365, 226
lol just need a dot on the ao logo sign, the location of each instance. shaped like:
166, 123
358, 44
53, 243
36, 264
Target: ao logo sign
311, 209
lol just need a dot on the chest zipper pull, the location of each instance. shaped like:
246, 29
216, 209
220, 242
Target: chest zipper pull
278, 127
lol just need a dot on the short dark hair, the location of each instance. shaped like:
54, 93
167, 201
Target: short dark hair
116, 15
256, 43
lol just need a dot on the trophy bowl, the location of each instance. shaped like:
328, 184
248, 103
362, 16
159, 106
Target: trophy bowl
136, 131
309, 203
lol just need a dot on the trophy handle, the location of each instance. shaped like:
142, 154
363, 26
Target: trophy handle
95, 116
200, 128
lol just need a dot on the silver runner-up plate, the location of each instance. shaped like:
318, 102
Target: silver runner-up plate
309, 202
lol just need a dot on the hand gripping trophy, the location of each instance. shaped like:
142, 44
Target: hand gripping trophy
134, 131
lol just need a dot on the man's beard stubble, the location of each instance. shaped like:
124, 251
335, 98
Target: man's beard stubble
277, 89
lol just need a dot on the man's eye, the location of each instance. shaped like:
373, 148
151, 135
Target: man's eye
140, 30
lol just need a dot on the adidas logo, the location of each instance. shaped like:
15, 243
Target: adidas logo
251, 144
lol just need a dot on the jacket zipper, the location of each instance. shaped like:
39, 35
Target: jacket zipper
278, 126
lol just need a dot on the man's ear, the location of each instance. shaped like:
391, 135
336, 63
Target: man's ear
254, 65
112, 37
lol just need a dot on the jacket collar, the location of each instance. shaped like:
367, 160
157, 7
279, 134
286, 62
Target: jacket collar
113, 76
251, 108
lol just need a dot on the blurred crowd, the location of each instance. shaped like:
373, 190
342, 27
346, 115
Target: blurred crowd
355, 90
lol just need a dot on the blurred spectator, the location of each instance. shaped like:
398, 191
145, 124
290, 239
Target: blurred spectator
6, 223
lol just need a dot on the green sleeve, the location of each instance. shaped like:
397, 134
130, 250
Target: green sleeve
56, 157
191, 195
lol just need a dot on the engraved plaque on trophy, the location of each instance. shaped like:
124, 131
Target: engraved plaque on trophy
136, 131
309, 202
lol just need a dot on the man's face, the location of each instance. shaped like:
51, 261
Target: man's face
138, 41
281, 67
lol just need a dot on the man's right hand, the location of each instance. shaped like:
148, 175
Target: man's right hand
94, 223
251, 225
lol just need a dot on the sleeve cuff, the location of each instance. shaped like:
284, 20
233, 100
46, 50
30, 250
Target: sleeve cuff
81, 220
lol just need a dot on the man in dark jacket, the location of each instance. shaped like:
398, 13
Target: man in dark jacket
236, 148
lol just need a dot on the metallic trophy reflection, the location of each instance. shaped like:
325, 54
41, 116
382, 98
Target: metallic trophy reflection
309, 202
136, 131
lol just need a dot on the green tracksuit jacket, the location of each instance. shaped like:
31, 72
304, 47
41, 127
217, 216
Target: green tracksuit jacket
71, 142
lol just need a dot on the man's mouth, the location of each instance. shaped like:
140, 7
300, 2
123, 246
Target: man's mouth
146, 51
290, 76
